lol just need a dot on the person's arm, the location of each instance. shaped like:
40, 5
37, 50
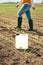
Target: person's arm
18, 3
33, 5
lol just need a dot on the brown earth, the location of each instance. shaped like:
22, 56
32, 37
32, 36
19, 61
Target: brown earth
9, 55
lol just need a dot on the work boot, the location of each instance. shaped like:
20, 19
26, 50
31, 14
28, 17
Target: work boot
19, 22
30, 25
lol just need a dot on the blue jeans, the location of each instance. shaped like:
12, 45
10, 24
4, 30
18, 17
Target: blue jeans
25, 9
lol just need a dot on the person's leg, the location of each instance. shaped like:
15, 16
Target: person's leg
28, 14
19, 22
20, 12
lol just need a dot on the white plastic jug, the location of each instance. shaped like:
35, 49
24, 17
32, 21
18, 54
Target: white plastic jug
21, 41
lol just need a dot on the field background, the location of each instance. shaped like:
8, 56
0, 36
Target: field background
8, 17
8, 22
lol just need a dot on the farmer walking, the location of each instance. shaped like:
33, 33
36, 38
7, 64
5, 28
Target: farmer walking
27, 4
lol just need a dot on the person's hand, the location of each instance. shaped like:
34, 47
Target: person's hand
17, 6
33, 8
